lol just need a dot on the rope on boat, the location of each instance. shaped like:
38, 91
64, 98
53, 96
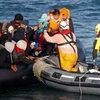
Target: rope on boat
80, 81
41, 65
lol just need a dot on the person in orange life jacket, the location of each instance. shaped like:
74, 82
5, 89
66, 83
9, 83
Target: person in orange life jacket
66, 16
20, 55
66, 41
53, 28
54, 21
96, 44
6, 60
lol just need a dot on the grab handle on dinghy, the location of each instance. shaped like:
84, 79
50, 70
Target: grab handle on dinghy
93, 71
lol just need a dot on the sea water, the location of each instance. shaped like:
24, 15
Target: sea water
85, 15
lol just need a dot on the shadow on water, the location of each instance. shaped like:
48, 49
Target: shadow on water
42, 92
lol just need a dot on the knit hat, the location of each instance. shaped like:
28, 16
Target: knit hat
18, 17
21, 44
25, 22
9, 46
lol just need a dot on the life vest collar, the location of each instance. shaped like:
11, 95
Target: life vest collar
19, 50
65, 32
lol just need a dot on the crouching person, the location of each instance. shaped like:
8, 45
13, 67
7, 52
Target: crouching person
19, 54
6, 60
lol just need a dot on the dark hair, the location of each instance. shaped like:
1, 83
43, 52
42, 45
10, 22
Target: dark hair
18, 17
56, 11
3, 38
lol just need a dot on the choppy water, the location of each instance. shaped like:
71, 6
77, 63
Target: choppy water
85, 15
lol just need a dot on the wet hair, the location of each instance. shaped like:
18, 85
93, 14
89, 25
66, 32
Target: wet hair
56, 11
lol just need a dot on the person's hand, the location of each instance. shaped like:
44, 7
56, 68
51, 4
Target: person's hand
14, 68
30, 57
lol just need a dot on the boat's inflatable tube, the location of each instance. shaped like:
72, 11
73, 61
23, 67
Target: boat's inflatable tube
9, 78
81, 51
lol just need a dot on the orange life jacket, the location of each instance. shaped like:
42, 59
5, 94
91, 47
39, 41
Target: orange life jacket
53, 24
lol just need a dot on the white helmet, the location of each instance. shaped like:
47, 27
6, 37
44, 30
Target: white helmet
21, 44
64, 25
97, 28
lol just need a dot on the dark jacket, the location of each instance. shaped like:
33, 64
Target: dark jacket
21, 58
5, 59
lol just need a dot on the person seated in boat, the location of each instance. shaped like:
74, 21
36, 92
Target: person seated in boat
39, 40
6, 60
19, 54
96, 44
66, 16
19, 28
66, 42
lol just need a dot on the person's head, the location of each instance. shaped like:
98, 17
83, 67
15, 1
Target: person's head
32, 45
18, 18
21, 44
9, 46
4, 38
63, 26
97, 28
56, 14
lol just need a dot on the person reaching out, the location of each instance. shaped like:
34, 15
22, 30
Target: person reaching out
66, 42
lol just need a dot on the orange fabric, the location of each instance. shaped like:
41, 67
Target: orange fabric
65, 11
53, 25
68, 61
